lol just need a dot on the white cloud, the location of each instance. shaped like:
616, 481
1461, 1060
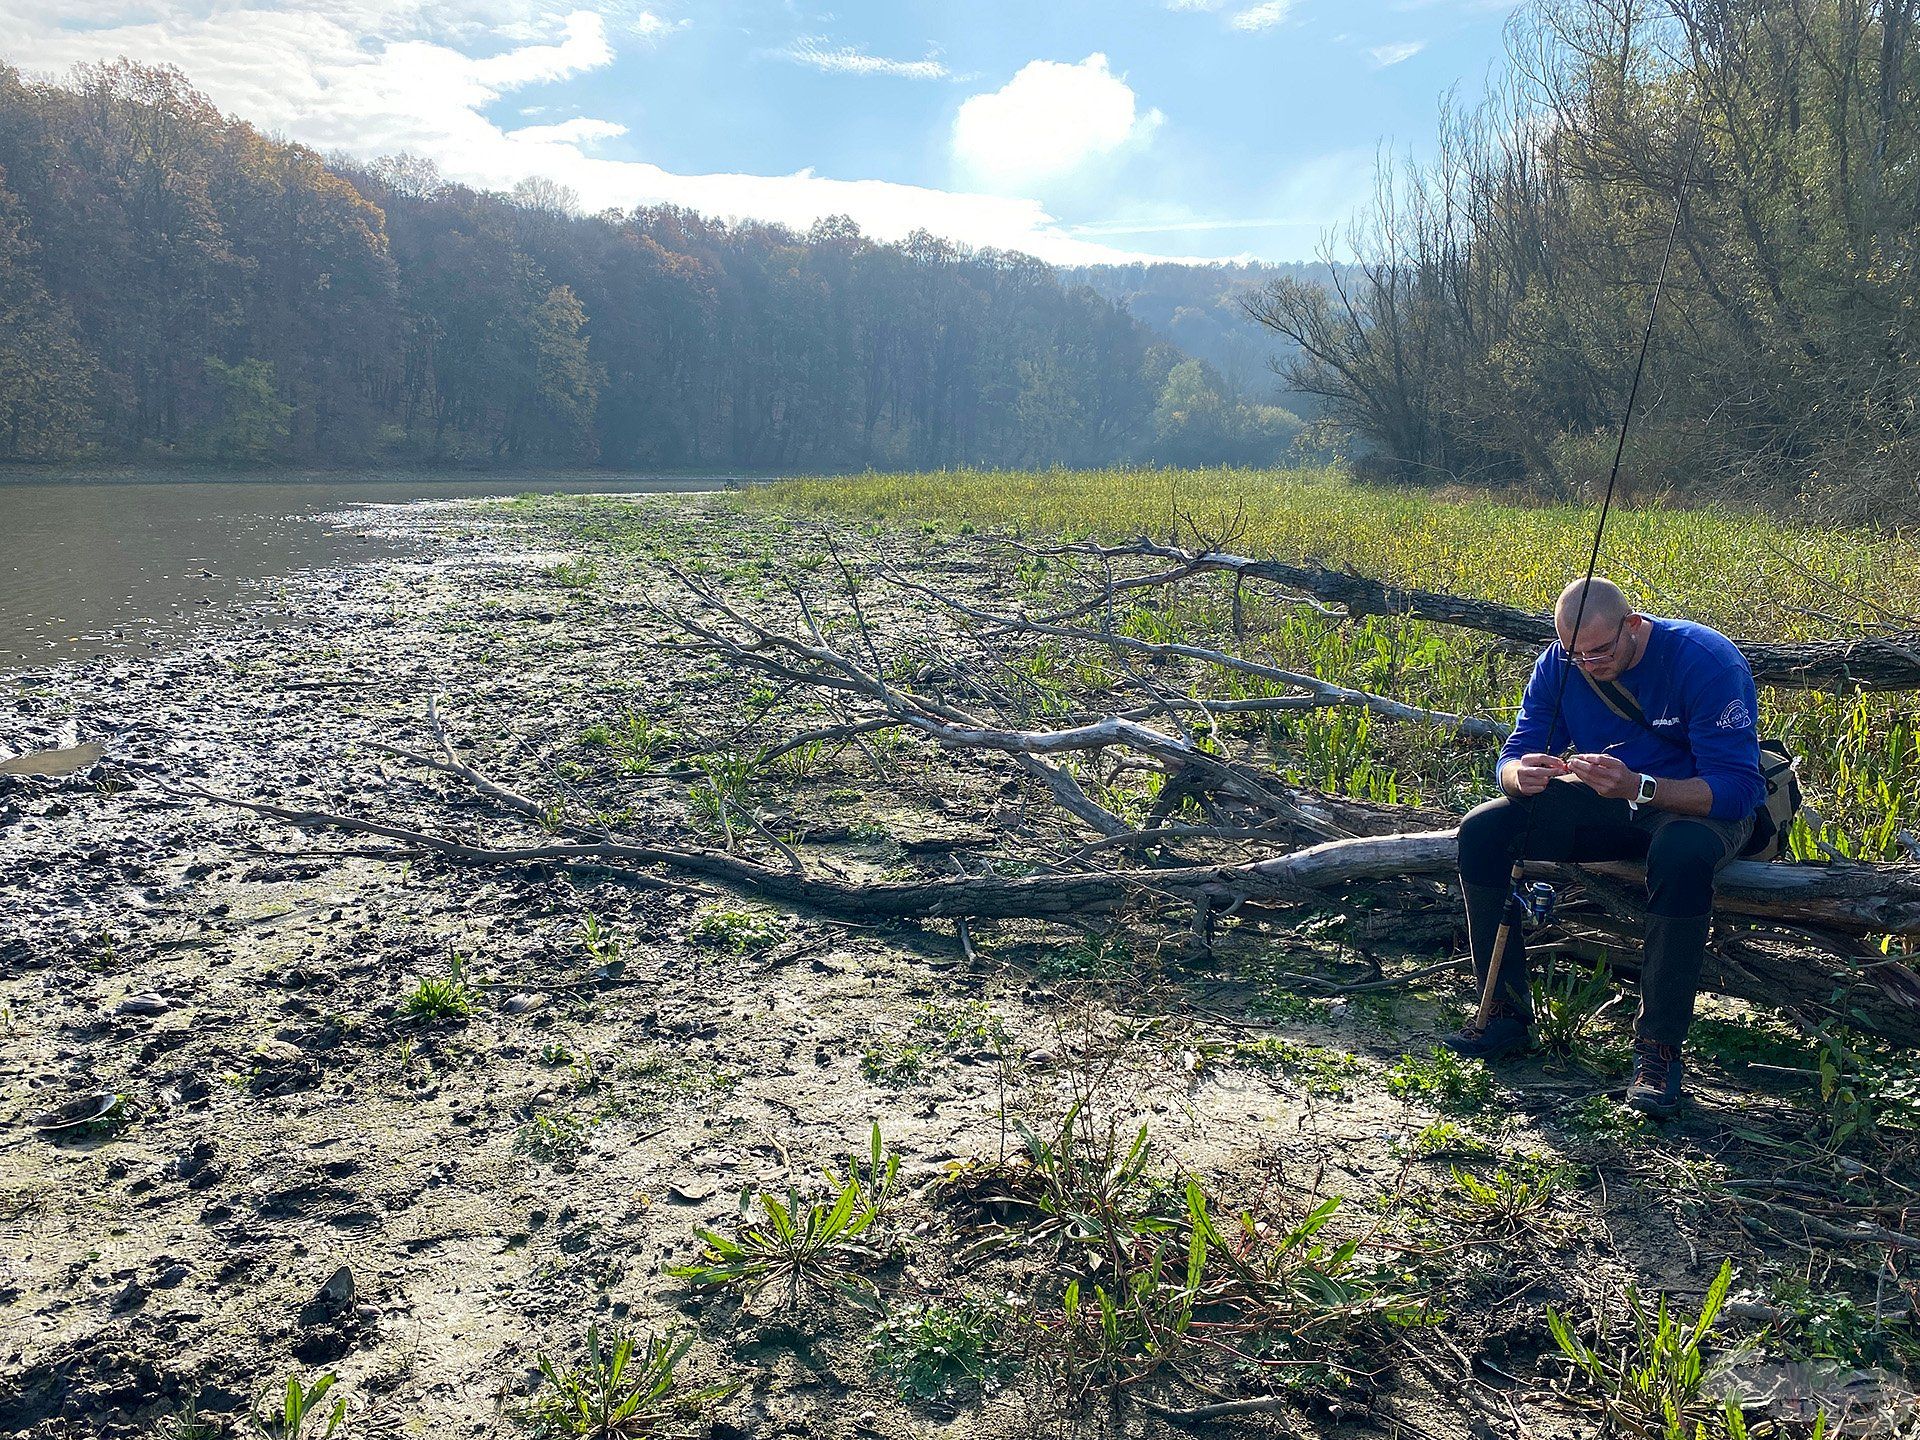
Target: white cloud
1201, 5
1385, 55
374, 77
813, 50
1263, 16
584, 47
1047, 122
580, 130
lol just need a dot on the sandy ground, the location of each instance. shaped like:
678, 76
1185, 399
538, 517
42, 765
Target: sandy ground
298, 1176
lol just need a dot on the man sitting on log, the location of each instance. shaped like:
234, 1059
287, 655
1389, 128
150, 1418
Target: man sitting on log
1666, 769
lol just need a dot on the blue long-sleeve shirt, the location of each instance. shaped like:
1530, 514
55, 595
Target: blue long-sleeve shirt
1696, 690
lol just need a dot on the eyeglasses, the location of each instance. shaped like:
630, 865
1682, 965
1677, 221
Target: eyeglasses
1604, 653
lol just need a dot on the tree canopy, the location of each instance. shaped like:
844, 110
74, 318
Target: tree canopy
174, 283
1489, 330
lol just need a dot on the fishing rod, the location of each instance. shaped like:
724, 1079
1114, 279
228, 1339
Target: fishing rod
1504, 936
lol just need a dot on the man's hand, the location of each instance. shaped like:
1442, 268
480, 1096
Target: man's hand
1530, 773
1605, 775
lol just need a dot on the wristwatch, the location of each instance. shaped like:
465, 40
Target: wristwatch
1645, 796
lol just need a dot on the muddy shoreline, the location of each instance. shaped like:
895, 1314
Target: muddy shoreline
300, 1173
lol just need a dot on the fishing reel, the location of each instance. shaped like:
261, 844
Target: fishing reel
1535, 903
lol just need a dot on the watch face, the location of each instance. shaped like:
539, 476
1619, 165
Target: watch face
1646, 788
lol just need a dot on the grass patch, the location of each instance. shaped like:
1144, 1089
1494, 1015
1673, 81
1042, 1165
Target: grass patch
1742, 572
1442, 1079
937, 1031
1316, 1069
744, 932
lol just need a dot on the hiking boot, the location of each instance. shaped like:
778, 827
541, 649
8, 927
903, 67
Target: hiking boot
1506, 1033
1657, 1071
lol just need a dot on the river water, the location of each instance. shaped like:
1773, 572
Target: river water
123, 566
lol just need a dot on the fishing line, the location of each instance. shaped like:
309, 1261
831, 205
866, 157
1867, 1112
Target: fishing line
1504, 936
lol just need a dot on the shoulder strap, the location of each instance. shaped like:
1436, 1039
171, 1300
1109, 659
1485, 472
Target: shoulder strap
1617, 698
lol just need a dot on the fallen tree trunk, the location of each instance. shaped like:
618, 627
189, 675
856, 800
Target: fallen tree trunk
1878, 993
1890, 662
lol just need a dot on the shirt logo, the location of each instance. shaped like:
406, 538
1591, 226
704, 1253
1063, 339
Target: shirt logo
1735, 716
1666, 720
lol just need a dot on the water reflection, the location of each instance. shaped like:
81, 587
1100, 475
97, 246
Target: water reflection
121, 567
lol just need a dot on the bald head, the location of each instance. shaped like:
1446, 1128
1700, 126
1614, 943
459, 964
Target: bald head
1605, 606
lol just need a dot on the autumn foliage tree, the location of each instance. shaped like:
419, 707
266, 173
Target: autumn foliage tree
187, 286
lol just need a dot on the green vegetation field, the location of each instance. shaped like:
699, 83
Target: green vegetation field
1744, 573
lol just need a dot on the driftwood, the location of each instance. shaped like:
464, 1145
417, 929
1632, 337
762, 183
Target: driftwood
1881, 992
1179, 845
1889, 662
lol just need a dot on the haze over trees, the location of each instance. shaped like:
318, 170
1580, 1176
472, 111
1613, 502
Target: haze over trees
173, 283
1488, 330
1202, 309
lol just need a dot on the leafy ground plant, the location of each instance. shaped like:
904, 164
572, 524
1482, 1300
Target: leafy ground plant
936, 1351
745, 932
1085, 1188
798, 1247
620, 1391
1443, 1080
1314, 1068
1568, 1004
1510, 1202
555, 1140
296, 1414
1657, 1382
440, 999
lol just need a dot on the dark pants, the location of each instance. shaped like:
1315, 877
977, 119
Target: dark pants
1570, 822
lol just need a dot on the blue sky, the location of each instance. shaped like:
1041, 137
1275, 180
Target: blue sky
1076, 131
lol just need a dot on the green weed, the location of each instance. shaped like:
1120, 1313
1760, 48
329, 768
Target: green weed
724, 798
1444, 1139
598, 941
296, 1414
1865, 1093
556, 1140
1568, 1005
1510, 1202
1443, 1080
938, 1351
189, 1424
621, 1390
1657, 1383
574, 574
433, 1000
935, 1032
798, 1247
1316, 1069
1599, 1118
1830, 1326
745, 932
1751, 1039
1082, 1189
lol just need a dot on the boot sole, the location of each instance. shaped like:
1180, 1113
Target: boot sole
1654, 1108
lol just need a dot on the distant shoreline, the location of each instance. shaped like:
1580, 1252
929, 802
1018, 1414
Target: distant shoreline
182, 473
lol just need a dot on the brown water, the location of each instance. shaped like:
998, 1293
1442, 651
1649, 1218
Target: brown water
123, 566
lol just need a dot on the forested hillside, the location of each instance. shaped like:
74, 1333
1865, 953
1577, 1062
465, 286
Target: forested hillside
1203, 310
1489, 333
172, 283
